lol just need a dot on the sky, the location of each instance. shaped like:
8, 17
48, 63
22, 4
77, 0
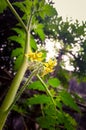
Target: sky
75, 9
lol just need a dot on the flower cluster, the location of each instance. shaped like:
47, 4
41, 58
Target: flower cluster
48, 67
35, 56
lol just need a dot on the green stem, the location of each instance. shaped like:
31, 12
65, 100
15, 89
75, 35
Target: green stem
13, 90
19, 76
47, 90
16, 15
3, 116
23, 87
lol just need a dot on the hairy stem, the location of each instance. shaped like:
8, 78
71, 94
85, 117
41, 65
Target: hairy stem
47, 90
19, 76
24, 86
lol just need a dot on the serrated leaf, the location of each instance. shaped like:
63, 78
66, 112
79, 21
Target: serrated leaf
39, 30
3, 5
50, 110
54, 82
25, 7
37, 85
49, 10
33, 43
68, 100
19, 109
69, 122
20, 6
17, 52
47, 122
18, 62
17, 39
38, 99
20, 32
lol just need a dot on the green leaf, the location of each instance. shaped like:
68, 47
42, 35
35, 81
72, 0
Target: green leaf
54, 82
17, 39
39, 30
69, 122
20, 32
68, 100
25, 7
18, 62
19, 109
49, 10
17, 52
47, 122
50, 110
37, 85
33, 43
3, 5
20, 6
38, 99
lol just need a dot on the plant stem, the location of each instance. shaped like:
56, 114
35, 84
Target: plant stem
16, 15
3, 116
46, 88
24, 86
19, 76
13, 89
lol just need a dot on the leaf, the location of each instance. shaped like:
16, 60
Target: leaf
47, 122
37, 85
39, 30
20, 6
20, 32
68, 100
19, 109
69, 122
3, 5
50, 110
33, 43
25, 7
38, 99
54, 82
17, 52
17, 39
49, 10
18, 62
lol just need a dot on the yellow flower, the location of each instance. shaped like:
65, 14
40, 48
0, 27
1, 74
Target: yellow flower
49, 67
46, 71
50, 64
35, 56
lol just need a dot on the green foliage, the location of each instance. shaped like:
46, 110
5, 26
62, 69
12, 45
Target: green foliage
33, 43
18, 62
54, 82
3, 5
53, 117
19, 109
68, 100
55, 120
39, 30
38, 99
36, 85
18, 52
